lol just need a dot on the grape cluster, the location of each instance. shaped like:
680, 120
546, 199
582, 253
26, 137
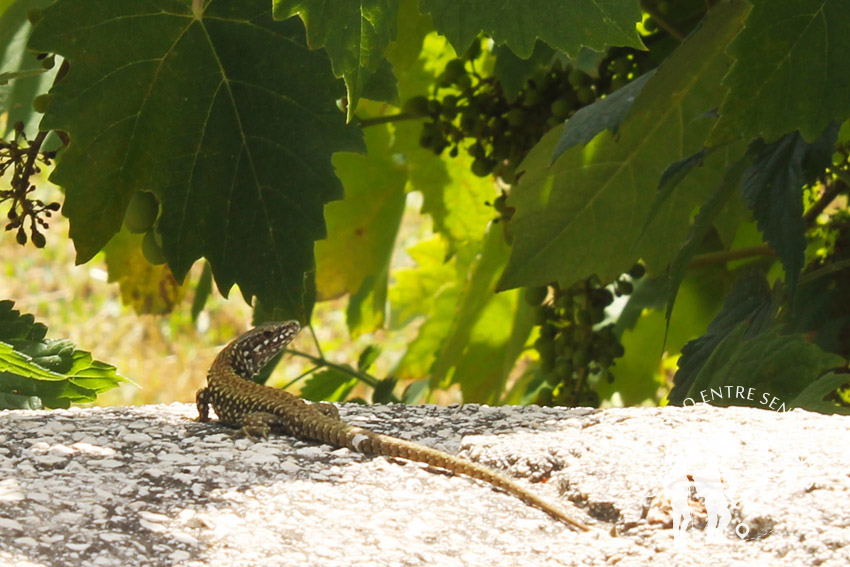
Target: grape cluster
140, 218
23, 157
471, 110
576, 349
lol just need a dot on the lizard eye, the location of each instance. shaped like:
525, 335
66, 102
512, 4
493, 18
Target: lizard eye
267, 334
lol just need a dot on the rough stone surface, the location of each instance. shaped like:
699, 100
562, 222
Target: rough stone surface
148, 486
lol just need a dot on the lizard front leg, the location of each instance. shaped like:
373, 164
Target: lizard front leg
259, 424
202, 399
327, 409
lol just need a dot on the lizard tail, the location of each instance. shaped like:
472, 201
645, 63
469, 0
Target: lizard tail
371, 443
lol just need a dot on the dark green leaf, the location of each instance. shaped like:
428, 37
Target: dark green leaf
229, 86
368, 357
383, 392
329, 384
583, 214
749, 300
812, 398
202, 291
355, 35
670, 179
703, 224
50, 372
354, 259
513, 72
16, 96
791, 71
773, 189
604, 114
776, 367
565, 25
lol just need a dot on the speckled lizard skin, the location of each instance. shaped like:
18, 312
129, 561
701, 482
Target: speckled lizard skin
240, 402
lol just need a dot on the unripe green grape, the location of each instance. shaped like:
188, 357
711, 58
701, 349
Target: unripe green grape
544, 396
838, 159
40, 103
563, 367
535, 295
564, 345
21, 236
532, 98
482, 167
151, 249
621, 66
141, 212
580, 358
565, 301
618, 82
548, 331
597, 314
38, 239
48, 62
553, 378
585, 95
515, 117
454, 69
578, 78
417, 106
560, 108
637, 271
625, 287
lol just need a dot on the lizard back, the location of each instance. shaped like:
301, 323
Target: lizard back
257, 410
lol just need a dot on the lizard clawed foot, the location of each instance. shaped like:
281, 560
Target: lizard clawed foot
250, 432
258, 424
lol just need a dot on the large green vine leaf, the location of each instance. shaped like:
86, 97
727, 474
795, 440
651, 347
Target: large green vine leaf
791, 70
584, 214
355, 35
37, 372
202, 107
565, 25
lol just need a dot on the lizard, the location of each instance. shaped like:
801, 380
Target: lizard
240, 402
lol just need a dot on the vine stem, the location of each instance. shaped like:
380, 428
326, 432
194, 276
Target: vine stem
703, 260
401, 116
321, 362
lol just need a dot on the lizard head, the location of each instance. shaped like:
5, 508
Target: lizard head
253, 350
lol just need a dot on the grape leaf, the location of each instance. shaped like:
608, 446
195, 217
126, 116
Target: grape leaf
749, 300
565, 25
812, 398
480, 312
777, 366
16, 95
36, 372
604, 114
355, 35
791, 71
328, 384
200, 108
362, 228
512, 72
773, 189
147, 288
414, 288
583, 214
